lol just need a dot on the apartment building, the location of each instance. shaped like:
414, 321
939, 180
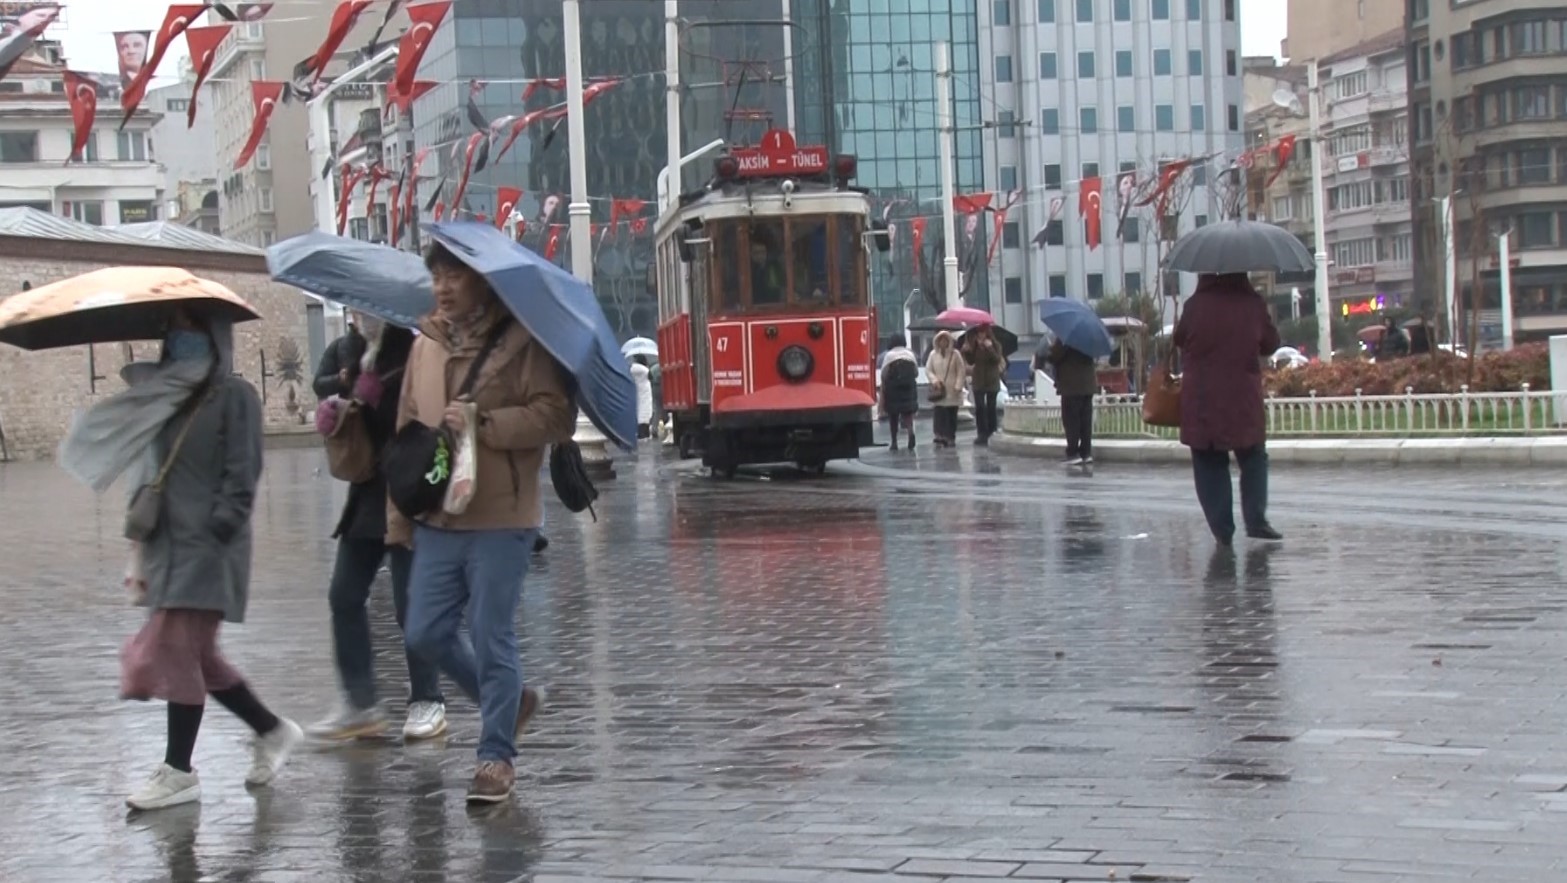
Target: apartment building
188, 154
1078, 89
1488, 106
1320, 28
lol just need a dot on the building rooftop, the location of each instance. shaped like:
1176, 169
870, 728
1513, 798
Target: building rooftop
31, 223
1394, 39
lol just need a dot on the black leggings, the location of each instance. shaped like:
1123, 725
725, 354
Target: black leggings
185, 722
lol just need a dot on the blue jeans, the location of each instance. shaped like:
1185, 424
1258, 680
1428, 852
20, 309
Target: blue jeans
480, 572
352, 578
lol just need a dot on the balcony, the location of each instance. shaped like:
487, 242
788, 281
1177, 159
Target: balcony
1391, 213
1388, 155
1386, 100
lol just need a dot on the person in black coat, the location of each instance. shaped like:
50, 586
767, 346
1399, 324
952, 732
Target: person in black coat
900, 394
1077, 380
375, 381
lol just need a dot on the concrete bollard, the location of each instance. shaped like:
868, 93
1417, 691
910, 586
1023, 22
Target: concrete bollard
595, 450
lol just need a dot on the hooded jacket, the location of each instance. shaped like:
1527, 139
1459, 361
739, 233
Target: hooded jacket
950, 370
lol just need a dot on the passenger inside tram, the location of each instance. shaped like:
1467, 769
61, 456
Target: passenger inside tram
767, 271
810, 261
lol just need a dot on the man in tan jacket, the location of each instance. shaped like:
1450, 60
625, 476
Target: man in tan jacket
476, 561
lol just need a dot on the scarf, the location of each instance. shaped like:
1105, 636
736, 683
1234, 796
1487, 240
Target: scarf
115, 437
371, 329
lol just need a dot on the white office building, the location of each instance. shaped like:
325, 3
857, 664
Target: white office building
1085, 88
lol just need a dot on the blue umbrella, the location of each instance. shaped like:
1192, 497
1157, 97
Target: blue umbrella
384, 282
563, 315
1076, 325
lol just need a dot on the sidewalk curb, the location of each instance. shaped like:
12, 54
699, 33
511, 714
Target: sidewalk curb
1489, 451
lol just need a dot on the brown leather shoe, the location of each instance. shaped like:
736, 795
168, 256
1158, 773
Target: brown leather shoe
532, 701
492, 782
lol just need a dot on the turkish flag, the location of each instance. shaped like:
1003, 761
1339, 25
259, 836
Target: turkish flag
625, 208
506, 199
1090, 204
403, 100
638, 226
553, 245
175, 21
351, 178
971, 203
394, 216
377, 175
344, 17
424, 19
556, 83
1168, 175
918, 227
264, 95
474, 141
411, 192
203, 44
440, 210
83, 94
1283, 152
518, 127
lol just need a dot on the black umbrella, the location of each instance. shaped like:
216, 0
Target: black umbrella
1240, 247
1007, 339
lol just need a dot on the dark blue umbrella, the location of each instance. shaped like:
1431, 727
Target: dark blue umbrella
563, 315
384, 282
1076, 325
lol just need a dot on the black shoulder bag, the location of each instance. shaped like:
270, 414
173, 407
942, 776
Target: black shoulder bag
417, 461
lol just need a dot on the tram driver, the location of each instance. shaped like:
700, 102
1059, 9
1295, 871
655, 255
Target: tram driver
767, 271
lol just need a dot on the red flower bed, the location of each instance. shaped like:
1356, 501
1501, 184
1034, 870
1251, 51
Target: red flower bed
1440, 373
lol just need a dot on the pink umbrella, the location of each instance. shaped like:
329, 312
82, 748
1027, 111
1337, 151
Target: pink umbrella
966, 316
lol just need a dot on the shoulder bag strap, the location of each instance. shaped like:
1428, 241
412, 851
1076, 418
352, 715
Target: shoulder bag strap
490, 343
193, 407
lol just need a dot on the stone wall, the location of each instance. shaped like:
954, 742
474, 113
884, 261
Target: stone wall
40, 391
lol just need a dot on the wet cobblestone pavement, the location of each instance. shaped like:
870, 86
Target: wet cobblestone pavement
914, 668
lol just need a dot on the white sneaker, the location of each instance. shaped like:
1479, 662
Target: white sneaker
347, 724
270, 752
167, 787
426, 720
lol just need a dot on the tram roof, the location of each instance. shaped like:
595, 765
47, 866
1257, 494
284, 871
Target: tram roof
739, 201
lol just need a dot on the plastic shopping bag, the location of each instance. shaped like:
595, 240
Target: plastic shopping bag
459, 493
135, 577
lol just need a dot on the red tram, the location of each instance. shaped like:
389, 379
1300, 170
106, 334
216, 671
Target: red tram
767, 338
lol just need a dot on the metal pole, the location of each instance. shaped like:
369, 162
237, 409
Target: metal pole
788, 65
405, 132
949, 262
672, 121
320, 113
1450, 261
579, 211
1320, 201
1506, 248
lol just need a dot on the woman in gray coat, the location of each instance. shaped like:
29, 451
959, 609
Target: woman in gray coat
189, 423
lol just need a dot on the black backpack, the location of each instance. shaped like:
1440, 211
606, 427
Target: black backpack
417, 462
570, 477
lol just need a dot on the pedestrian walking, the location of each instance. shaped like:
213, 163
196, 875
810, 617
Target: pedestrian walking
188, 436
476, 562
340, 365
376, 381
1225, 331
900, 393
946, 372
982, 351
641, 376
1077, 381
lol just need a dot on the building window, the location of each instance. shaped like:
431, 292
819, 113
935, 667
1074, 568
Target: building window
1534, 165
1088, 120
1006, 123
1123, 63
1283, 208
176, 105
1353, 252
1008, 179
1085, 64
88, 212
18, 147
1194, 10
1096, 286
89, 150
1201, 221
1199, 118
1231, 63
1161, 62
266, 199
1057, 285
1047, 11
1090, 170
1350, 85
264, 157
1235, 117
1131, 231
137, 211
258, 68
1047, 65
1001, 13
1055, 233
253, 30
1085, 10
1133, 283
1229, 10
1532, 103
1528, 38
1164, 117
1050, 121
131, 147
1126, 119
1194, 62
1161, 10
1011, 235
1003, 68
1013, 286
1052, 176
1123, 10
268, 237
1200, 175
1128, 167
1419, 10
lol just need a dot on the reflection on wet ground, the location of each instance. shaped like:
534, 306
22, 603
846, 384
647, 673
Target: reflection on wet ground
917, 667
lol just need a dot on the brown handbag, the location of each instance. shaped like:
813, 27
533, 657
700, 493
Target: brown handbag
1162, 401
350, 455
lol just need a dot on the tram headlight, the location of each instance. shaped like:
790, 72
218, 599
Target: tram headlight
796, 363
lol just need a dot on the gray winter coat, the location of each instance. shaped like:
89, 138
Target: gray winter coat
199, 557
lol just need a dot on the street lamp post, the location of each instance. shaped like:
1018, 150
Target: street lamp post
949, 261
319, 110
1320, 222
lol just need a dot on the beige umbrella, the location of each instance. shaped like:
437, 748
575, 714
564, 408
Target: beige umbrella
113, 305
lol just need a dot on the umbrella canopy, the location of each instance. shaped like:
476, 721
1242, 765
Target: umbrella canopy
563, 315
1007, 339
1240, 247
384, 282
966, 316
932, 323
639, 346
1077, 326
113, 305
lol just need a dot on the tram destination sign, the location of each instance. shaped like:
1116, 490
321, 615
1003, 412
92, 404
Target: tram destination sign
779, 155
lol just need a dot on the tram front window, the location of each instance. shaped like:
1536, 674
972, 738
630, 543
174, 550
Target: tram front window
808, 259
769, 281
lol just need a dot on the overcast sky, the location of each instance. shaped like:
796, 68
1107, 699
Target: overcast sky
90, 25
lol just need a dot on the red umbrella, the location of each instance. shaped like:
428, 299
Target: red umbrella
966, 316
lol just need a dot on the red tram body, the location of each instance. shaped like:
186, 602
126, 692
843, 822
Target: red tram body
767, 339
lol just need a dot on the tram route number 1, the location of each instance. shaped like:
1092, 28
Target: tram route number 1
779, 155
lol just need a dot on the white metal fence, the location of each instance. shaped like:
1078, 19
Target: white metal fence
1525, 412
